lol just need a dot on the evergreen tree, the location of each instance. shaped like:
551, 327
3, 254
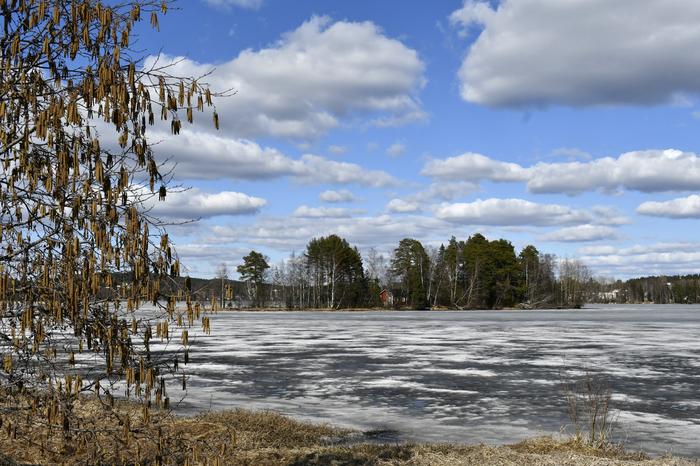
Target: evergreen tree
410, 267
336, 271
252, 271
478, 271
506, 281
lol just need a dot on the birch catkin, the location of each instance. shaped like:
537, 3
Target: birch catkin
79, 253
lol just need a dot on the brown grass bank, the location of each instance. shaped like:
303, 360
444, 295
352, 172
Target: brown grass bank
241, 437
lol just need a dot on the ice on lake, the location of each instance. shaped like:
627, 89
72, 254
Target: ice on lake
457, 376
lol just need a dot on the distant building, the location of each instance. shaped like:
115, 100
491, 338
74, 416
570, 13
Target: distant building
608, 296
386, 297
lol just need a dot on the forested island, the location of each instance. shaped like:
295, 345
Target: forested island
476, 273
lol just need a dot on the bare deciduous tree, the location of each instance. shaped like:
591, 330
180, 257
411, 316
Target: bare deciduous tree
222, 275
79, 254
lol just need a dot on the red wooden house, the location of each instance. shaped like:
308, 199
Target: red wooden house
386, 297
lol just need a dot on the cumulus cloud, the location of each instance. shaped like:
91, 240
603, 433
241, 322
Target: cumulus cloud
684, 207
195, 204
402, 207
324, 212
582, 233
203, 259
471, 166
205, 156
597, 250
637, 249
342, 195
653, 259
293, 233
472, 13
607, 215
444, 191
645, 171
510, 212
213, 253
304, 84
396, 150
579, 53
316, 169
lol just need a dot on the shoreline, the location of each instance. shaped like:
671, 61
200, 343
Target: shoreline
373, 309
247, 437
588, 306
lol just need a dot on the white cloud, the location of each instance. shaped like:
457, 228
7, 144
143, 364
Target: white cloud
472, 13
207, 156
319, 170
324, 212
652, 259
337, 196
510, 212
579, 53
396, 150
646, 171
320, 73
638, 249
248, 4
402, 207
598, 250
293, 233
215, 253
582, 233
194, 204
202, 259
471, 166
607, 215
649, 260
444, 191
684, 207
200, 155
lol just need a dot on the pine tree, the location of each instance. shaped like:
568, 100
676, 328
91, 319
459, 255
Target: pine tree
252, 271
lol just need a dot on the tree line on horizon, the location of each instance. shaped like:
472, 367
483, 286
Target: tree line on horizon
659, 289
475, 273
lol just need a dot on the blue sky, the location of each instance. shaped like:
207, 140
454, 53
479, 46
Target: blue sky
572, 126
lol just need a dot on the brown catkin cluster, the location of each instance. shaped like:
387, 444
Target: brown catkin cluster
79, 254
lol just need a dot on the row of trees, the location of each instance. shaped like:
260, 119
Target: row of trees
677, 289
475, 273
330, 274
483, 274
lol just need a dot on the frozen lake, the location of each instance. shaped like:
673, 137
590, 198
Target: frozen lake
491, 376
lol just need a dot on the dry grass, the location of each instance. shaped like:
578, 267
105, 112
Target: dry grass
578, 445
241, 437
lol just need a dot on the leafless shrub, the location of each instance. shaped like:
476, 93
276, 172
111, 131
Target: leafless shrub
588, 402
